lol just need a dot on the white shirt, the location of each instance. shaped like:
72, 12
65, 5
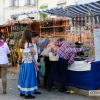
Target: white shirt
4, 50
36, 50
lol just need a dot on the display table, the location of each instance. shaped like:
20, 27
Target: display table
88, 80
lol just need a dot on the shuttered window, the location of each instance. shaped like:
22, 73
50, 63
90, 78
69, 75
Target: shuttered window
13, 3
29, 2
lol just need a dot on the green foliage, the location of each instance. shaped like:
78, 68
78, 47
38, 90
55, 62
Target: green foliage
17, 36
41, 14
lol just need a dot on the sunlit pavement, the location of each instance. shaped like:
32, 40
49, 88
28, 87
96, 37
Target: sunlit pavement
13, 94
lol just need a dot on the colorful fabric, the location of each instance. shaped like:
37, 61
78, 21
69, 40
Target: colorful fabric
1, 43
68, 51
18, 51
58, 43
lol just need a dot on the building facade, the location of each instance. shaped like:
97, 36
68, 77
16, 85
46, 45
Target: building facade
1, 10
19, 6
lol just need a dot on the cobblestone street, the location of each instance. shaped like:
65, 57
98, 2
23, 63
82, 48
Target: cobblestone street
13, 94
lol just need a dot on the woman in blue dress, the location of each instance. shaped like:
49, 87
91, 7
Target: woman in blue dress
27, 81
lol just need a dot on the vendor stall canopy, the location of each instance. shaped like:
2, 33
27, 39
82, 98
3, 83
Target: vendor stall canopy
81, 8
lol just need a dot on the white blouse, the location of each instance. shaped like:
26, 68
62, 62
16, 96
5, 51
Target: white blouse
26, 54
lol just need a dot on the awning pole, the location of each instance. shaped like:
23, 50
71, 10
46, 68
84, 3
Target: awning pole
92, 14
7, 30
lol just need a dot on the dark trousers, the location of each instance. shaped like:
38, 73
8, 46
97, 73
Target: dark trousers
48, 68
38, 79
63, 64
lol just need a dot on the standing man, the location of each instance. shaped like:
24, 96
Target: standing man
34, 41
66, 52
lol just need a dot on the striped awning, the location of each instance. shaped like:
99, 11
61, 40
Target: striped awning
85, 7
73, 10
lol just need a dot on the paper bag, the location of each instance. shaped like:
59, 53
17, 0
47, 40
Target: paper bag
52, 57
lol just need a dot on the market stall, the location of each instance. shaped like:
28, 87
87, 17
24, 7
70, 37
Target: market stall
85, 18
54, 27
81, 20
88, 79
12, 31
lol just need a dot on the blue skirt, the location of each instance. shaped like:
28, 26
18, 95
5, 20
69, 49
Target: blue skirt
27, 79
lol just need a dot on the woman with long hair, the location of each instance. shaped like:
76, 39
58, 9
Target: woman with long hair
27, 81
4, 50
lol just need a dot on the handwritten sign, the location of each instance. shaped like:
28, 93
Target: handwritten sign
97, 44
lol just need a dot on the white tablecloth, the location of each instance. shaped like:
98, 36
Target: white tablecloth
80, 66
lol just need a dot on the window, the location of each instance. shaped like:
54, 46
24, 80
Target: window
13, 3
21, 3
61, 2
29, 2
